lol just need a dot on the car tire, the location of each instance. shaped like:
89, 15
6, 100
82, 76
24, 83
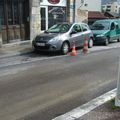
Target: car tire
106, 42
65, 48
90, 43
35, 50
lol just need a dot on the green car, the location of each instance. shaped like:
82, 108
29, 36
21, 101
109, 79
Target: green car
106, 31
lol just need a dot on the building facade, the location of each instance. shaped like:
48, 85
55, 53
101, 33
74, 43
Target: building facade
111, 7
84, 6
14, 20
52, 12
22, 20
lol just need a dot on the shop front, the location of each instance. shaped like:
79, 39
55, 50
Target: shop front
52, 12
14, 20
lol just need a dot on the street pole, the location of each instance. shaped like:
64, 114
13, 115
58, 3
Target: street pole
117, 98
74, 10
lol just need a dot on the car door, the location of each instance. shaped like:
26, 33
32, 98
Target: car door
86, 33
113, 31
76, 35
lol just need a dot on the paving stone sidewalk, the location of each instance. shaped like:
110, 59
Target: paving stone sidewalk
15, 49
106, 111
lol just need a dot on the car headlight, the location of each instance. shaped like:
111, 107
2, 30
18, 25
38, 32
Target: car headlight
100, 35
54, 40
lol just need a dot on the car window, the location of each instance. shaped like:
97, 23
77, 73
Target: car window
112, 26
65, 28
59, 28
100, 25
76, 28
117, 26
84, 27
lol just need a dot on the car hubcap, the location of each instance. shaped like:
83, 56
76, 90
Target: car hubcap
90, 43
65, 48
106, 41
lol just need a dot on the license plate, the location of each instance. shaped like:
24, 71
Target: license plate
40, 44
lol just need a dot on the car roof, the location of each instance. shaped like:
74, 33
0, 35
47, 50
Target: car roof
70, 23
108, 20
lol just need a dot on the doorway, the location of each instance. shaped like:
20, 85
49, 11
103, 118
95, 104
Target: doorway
14, 19
44, 17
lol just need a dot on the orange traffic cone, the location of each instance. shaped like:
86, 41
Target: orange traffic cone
73, 53
85, 47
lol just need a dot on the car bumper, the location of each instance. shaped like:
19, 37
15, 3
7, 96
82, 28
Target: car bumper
47, 47
99, 40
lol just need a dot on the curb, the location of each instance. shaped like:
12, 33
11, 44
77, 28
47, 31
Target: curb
86, 108
15, 54
16, 43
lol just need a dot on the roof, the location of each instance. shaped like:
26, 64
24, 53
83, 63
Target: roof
96, 15
112, 14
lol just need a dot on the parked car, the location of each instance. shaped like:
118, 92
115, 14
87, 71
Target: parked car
62, 37
106, 31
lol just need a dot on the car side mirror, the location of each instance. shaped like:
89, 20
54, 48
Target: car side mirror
73, 32
84, 30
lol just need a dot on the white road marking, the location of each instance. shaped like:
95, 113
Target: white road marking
84, 109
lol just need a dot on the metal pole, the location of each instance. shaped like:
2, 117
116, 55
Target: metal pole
74, 10
117, 99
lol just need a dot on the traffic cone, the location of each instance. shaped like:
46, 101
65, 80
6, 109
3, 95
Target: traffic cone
85, 47
73, 53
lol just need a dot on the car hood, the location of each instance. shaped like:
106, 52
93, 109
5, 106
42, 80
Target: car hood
99, 32
45, 37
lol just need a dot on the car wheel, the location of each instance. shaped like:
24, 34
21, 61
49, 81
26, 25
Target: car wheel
106, 41
36, 51
90, 43
65, 48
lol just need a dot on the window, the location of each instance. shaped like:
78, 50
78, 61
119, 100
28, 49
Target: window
117, 27
76, 28
2, 21
112, 26
84, 27
15, 12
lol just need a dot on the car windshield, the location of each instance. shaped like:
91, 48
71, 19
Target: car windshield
59, 28
100, 26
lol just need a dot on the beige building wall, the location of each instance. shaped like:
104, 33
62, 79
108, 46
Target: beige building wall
71, 9
113, 7
35, 25
82, 16
82, 8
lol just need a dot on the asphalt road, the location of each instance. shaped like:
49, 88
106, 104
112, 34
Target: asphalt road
47, 88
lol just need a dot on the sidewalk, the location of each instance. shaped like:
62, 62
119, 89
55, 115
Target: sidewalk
14, 49
106, 111
100, 108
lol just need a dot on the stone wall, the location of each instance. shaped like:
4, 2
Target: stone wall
82, 16
35, 25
